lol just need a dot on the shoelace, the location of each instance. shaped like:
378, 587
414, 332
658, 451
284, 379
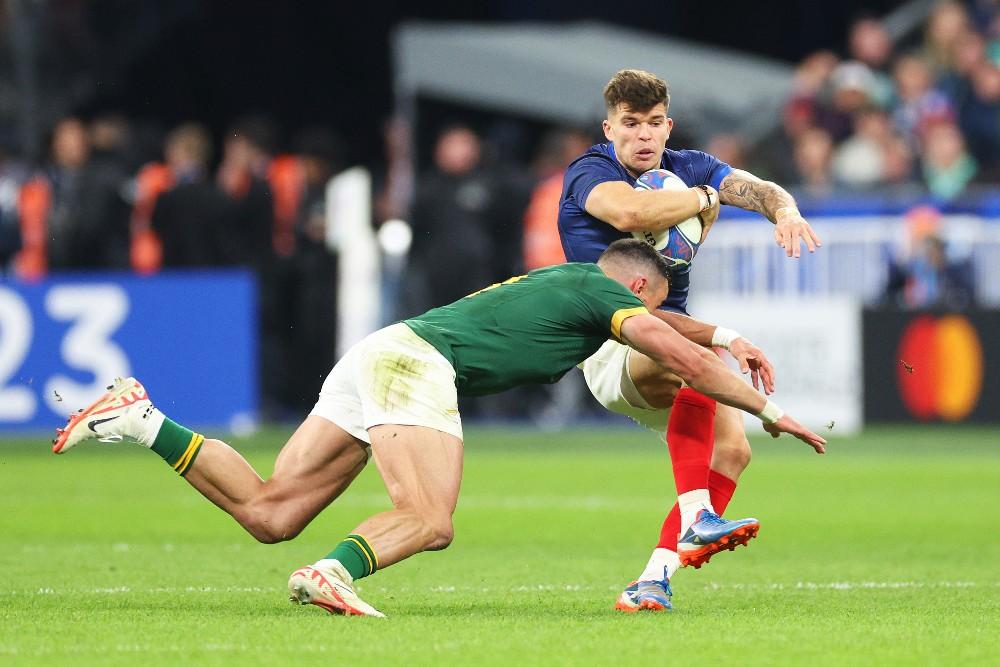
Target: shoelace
664, 585
711, 518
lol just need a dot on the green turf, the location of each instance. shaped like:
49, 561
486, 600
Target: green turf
885, 551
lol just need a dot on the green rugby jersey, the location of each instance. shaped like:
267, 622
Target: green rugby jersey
530, 329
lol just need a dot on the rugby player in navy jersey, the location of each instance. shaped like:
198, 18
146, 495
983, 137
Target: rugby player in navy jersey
707, 443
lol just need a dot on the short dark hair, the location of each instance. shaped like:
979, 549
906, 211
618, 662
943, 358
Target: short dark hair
635, 251
636, 88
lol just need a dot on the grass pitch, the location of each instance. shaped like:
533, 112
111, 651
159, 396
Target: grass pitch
884, 551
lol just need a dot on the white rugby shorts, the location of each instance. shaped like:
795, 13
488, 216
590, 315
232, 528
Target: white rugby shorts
607, 376
392, 376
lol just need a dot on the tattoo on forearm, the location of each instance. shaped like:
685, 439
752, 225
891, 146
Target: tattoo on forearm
746, 191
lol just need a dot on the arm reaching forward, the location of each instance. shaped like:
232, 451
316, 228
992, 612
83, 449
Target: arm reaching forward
703, 371
750, 357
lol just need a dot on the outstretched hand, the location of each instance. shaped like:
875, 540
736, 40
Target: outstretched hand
788, 425
752, 360
790, 229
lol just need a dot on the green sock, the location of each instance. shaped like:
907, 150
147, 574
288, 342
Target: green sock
178, 446
355, 554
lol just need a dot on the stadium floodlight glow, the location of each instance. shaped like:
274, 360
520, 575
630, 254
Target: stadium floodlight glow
395, 237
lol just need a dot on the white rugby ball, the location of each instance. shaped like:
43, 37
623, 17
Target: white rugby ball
679, 243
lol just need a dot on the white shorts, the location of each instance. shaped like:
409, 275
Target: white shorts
392, 376
607, 376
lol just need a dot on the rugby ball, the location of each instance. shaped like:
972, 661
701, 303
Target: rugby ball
679, 244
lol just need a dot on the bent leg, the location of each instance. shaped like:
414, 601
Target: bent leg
317, 463
422, 471
657, 385
731, 455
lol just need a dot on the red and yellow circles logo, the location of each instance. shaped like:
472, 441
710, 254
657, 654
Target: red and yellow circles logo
940, 372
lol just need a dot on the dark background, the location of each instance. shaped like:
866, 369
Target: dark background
322, 62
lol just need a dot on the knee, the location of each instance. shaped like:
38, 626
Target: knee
732, 457
441, 532
268, 526
741, 456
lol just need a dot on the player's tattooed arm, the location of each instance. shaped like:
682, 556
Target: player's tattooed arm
743, 189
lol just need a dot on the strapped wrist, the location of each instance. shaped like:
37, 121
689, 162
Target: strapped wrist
770, 412
723, 337
785, 212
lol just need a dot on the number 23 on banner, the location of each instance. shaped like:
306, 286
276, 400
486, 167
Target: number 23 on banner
86, 316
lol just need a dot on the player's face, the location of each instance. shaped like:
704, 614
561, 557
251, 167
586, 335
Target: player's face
639, 136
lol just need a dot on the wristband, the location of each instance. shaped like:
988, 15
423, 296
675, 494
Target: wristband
706, 200
786, 211
771, 413
723, 337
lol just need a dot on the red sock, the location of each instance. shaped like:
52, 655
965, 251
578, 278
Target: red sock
720, 491
671, 527
690, 437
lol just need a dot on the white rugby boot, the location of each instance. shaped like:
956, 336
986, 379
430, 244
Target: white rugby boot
328, 586
124, 411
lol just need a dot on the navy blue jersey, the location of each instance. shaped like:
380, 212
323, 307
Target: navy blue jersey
585, 237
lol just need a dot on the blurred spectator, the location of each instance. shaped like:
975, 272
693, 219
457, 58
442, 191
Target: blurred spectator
812, 155
542, 246
299, 295
10, 224
947, 24
72, 216
973, 87
455, 219
192, 218
243, 175
730, 148
852, 88
898, 164
918, 103
948, 167
110, 137
930, 279
772, 153
874, 155
980, 114
869, 43
812, 74
860, 161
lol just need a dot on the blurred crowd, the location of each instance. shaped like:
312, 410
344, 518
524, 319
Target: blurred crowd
95, 203
921, 116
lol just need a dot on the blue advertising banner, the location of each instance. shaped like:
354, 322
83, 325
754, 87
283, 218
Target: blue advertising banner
190, 337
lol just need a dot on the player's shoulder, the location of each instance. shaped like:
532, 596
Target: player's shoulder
686, 157
694, 167
597, 156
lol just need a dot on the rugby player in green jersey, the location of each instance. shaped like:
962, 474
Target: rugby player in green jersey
394, 397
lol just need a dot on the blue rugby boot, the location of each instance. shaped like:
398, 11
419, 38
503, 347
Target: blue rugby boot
646, 596
710, 534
